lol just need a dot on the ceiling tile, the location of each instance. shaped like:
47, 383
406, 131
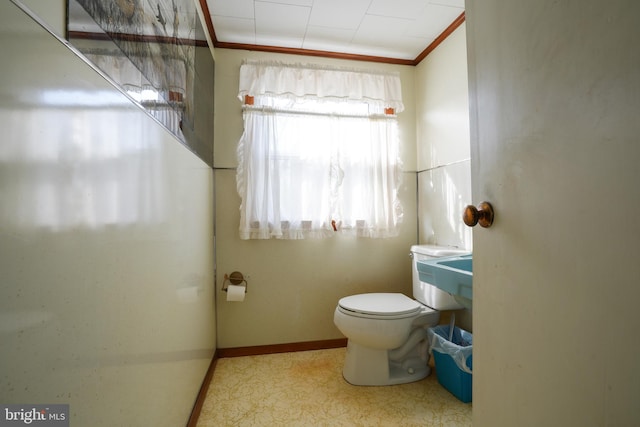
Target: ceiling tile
234, 30
279, 41
432, 21
397, 8
389, 34
281, 20
454, 3
233, 8
324, 13
399, 29
328, 39
289, 2
379, 29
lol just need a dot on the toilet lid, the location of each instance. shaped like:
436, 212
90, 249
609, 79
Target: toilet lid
380, 304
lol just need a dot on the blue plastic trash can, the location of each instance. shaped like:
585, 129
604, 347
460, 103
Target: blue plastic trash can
453, 360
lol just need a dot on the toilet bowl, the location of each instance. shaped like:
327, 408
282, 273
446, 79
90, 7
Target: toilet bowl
386, 338
387, 332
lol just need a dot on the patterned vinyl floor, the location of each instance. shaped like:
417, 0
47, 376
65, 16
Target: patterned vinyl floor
307, 389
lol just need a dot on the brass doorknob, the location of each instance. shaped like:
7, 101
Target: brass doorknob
482, 215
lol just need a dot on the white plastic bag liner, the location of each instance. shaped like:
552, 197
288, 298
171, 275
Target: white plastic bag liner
460, 348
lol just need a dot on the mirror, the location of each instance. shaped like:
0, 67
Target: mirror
155, 51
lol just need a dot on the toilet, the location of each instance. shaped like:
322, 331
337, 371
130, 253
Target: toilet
387, 332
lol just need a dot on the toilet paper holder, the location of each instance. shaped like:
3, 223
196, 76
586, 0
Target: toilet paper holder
235, 278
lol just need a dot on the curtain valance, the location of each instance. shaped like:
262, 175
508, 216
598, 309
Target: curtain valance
277, 79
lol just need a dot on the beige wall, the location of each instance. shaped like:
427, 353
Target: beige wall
443, 159
294, 286
106, 244
53, 13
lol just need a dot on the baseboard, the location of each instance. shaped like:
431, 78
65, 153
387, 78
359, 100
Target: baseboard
202, 394
281, 348
254, 351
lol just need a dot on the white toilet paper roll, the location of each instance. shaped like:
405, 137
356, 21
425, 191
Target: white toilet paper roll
235, 293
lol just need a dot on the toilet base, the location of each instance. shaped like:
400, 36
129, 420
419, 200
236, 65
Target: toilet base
371, 367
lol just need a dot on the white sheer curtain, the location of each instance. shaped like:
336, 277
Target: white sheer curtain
316, 157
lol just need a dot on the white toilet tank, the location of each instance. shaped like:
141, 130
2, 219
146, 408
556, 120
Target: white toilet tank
426, 293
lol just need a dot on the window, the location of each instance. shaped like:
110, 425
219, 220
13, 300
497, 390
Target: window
318, 154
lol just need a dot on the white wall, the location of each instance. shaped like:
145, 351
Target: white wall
106, 244
294, 286
442, 123
443, 159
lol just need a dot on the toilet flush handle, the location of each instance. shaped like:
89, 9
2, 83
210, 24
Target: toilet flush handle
482, 215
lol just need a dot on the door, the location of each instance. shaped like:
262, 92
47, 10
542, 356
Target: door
555, 146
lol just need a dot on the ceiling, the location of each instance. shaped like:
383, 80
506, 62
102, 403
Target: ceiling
397, 30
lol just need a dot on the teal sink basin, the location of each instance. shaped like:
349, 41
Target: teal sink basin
451, 274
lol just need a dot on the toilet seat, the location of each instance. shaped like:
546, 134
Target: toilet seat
380, 306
